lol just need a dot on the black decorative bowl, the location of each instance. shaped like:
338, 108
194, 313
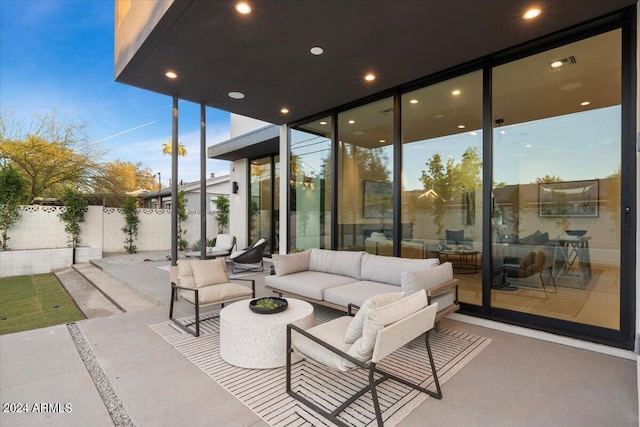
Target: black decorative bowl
576, 233
282, 305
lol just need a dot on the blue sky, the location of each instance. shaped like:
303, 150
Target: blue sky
57, 54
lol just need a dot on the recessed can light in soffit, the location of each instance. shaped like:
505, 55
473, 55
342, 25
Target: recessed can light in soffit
243, 8
284, 110
171, 75
323, 123
317, 50
585, 103
370, 77
236, 95
532, 13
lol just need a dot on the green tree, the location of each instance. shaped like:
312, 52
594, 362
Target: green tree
131, 219
73, 216
222, 214
12, 193
444, 181
183, 215
51, 154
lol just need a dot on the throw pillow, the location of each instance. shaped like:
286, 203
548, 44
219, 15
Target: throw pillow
414, 281
185, 274
354, 330
210, 272
291, 263
379, 317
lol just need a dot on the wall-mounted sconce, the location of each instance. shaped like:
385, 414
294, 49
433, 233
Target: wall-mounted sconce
234, 187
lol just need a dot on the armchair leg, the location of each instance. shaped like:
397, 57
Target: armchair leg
374, 395
173, 292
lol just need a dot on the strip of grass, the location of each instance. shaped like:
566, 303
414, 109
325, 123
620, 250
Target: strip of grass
32, 302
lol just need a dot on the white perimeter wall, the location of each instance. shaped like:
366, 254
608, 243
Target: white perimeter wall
40, 228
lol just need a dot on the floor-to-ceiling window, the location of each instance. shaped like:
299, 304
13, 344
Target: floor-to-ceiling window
556, 182
264, 196
310, 186
442, 177
365, 178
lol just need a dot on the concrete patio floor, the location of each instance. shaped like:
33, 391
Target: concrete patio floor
515, 381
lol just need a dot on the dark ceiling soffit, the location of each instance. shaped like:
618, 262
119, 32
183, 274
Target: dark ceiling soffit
255, 144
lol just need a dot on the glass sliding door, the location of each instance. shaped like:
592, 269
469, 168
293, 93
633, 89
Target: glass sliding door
556, 183
310, 186
264, 178
441, 197
365, 178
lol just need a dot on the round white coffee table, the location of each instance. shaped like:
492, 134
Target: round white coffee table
259, 341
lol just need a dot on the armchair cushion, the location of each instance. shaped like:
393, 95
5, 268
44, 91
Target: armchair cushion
414, 281
224, 242
354, 331
291, 263
330, 332
379, 317
209, 272
185, 274
215, 294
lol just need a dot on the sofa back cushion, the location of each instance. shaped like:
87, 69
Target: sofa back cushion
344, 263
414, 281
291, 263
389, 269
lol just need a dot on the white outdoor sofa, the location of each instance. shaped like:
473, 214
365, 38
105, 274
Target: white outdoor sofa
339, 278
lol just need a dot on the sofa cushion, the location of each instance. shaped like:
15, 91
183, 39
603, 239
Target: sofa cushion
379, 317
413, 281
354, 331
444, 300
357, 292
310, 284
389, 269
185, 274
345, 263
330, 332
291, 263
210, 272
216, 294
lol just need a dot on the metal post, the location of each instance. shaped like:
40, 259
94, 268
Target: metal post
203, 181
174, 182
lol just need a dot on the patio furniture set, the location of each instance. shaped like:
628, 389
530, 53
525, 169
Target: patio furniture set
397, 300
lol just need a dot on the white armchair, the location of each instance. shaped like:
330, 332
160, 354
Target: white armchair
383, 324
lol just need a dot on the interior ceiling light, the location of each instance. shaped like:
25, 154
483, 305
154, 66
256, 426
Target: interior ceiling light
284, 110
243, 8
502, 132
585, 103
317, 50
323, 123
455, 92
473, 133
370, 77
236, 95
532, 13
414, 101
351, 122
461, 126
383, 141
171, 75
563, 61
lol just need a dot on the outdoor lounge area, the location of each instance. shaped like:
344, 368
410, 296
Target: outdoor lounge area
152, 378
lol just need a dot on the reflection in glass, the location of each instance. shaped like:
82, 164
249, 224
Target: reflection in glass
310, 186
556, 183
365, 178
260, 201
442, 178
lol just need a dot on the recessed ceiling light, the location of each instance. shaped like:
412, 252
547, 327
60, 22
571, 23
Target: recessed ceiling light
414, 101
236, 95
243, 8
585, 103
370, 77
351, 122
473, 133
556, 64
383, 141
284, 110
171, 75
455, 92
323, 123
532, 13
461, 126
317, 50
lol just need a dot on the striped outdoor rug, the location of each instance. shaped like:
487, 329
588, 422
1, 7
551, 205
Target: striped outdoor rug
263, 391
